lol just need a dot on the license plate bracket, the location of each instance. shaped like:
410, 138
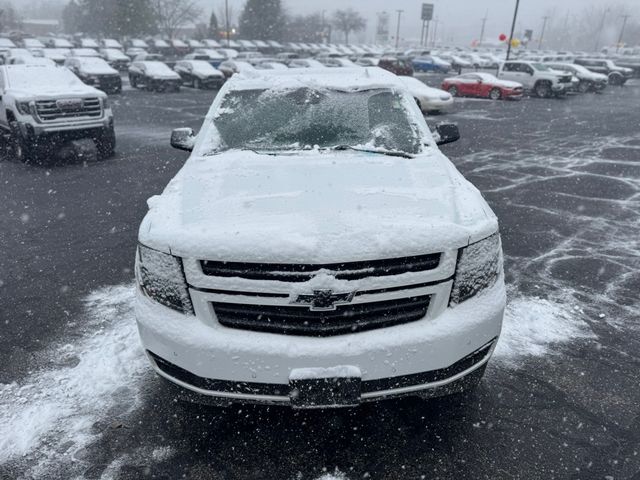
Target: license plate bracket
325, 387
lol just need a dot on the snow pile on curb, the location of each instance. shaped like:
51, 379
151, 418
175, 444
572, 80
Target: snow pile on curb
532, 326
52, 413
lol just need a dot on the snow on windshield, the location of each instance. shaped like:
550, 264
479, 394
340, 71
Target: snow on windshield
302, 118
157, 68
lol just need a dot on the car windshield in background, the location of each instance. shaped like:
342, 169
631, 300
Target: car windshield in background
32, 76
303, 118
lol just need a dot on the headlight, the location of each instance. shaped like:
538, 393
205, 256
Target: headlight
161, 278
24, 108
479, 266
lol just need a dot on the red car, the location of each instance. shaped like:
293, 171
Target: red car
399, 66
482, 85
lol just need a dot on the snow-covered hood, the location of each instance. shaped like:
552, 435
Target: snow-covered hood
56, 91
204, 72
98, 70
315, 207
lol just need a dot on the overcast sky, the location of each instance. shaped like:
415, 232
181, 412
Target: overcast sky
460, 18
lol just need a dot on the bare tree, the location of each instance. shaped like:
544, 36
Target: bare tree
172, 14
348, 21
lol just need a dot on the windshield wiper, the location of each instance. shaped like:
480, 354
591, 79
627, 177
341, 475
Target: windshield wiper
390, 153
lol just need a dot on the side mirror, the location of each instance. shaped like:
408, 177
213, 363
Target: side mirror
183, 139
447, 133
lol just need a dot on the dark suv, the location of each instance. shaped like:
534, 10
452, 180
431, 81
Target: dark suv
399, 66
617, 75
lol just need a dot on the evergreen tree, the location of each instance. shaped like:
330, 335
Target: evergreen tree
213, 31
262, 20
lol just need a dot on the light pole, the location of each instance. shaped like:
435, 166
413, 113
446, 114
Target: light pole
398, 28
513, 27
624, 24
484, 22
324, 29
604, 15
226, 16
544, 25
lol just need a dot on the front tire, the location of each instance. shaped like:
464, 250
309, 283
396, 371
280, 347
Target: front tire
495, 94
19, 147
584, 86
196, 83
543, 89
133, 81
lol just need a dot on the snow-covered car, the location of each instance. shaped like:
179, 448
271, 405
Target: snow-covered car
269, 65
31, 60
84, 52
483, 85
148, 57
215, 57
199, 74
456, 62
88, 43
617, 75
338, 62
430, 100
430, 64
95, 72
133, 52
111, 43
231, 67
43, 104
58, 55
476, 60
154, 75
56, 42
7, 55
589, 81
32, 43
116, 58
317, 249
305, 63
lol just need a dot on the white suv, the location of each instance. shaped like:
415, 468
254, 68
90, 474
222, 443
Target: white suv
41, 104
536, 77
318, 250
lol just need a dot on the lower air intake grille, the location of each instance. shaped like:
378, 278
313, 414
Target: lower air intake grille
298, 320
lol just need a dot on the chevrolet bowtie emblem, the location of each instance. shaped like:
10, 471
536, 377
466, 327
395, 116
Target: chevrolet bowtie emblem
324, 299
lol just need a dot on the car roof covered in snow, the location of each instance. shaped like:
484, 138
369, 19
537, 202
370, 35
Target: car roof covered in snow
339, 79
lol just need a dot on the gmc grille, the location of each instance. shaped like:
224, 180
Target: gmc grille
291, 272
299, 320
49, 110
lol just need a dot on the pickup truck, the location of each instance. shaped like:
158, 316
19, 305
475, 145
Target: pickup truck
42, 105
536, 77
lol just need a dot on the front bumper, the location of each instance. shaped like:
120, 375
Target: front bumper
230, 365
76, 129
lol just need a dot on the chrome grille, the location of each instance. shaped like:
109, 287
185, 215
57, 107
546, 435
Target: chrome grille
298, 320
49, 110
293, 272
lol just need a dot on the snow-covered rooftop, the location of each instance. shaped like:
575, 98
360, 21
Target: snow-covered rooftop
340, 79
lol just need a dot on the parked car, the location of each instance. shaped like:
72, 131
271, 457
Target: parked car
338, 63
111, 43
286, 57
179, 47
271, 66
430, 64
55, 42
588, 80
215, 57
58, 55
305, 63
31, 60
88, 43
476, 60
32, 43
199, 74
430, 100
42, 105
536, 77
115, 58
149, 57
153, 75
616, 75
482, 85
367, 62
83, 52
7, 55
230, 67
297, 287
399, 66
137, 43
95, 72
133, 52
6, 44
457, 63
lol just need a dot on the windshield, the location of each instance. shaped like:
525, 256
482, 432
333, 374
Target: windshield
302, 118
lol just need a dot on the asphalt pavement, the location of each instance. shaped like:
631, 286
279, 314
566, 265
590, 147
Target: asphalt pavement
561, 400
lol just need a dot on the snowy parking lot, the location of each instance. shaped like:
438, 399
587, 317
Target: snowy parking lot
560, 399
